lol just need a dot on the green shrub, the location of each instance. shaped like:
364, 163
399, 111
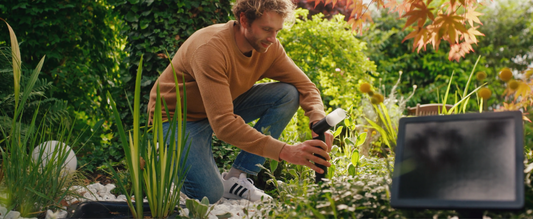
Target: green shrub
328, 52
32, 180
82, 42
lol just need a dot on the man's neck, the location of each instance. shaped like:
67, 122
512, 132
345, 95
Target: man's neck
241, 41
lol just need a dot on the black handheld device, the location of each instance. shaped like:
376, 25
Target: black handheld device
320, 128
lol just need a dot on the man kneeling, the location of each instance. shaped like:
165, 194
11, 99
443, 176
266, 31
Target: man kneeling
220, 65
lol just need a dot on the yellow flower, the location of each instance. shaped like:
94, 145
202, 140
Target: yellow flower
365, 87
505, 74
513, 84
481, 75
377, 99
485, 93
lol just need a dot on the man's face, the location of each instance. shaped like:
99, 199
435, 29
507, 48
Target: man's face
262, 32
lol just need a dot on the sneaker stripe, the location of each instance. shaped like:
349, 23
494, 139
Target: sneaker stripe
242, 192
237, 191
233, 187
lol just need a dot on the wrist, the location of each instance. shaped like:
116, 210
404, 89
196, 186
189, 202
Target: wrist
281, 154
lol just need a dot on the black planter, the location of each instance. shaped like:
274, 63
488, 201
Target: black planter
104, 209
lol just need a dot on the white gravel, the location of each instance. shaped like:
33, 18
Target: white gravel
236, 208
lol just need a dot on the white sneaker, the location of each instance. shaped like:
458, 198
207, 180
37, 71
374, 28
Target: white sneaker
242, 188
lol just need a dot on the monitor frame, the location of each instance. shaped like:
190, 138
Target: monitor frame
431, 203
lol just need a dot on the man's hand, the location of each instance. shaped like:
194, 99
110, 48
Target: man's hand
303, 154
329, 139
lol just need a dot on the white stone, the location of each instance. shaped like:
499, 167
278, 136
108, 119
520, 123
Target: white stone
89, 196
95, 186
12, 215
72, 200
3, 211
102, 191
121, 198
56, 215
110, 197
62, 214
94, 191
110, 187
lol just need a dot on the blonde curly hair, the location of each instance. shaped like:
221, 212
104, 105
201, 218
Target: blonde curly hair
253, 9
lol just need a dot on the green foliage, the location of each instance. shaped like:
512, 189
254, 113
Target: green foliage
56, 110
365, 194
198, 210
28, 185
224, 154
55, 113
329, 54
507, 43
82, 50
154, 167
430, 70
82, 42
508, 40
154, 28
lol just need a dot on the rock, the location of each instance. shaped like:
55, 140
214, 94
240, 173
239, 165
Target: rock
12, 215
3, 211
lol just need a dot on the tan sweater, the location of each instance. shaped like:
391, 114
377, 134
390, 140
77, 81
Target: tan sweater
216, 73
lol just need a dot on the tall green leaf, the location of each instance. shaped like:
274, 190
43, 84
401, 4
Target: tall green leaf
15, 54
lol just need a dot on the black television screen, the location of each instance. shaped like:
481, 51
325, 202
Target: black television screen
462, 161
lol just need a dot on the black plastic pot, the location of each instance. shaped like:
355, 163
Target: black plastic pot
104, 209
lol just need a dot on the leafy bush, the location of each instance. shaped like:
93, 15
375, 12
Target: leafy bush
82, 50
50, 111
83, 61
365, 194
32, 182
429, 70
329, 54
508, 43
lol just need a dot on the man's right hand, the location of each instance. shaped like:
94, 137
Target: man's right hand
304, 153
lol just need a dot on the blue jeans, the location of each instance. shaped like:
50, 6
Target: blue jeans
274, 104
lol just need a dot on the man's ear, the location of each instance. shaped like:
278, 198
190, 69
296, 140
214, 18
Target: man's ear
243, 20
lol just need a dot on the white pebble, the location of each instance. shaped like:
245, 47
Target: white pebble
102, 191
110, 187
121, 198
3, 211
110, 197
94, 186
89, 196
12, 215
57, 215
